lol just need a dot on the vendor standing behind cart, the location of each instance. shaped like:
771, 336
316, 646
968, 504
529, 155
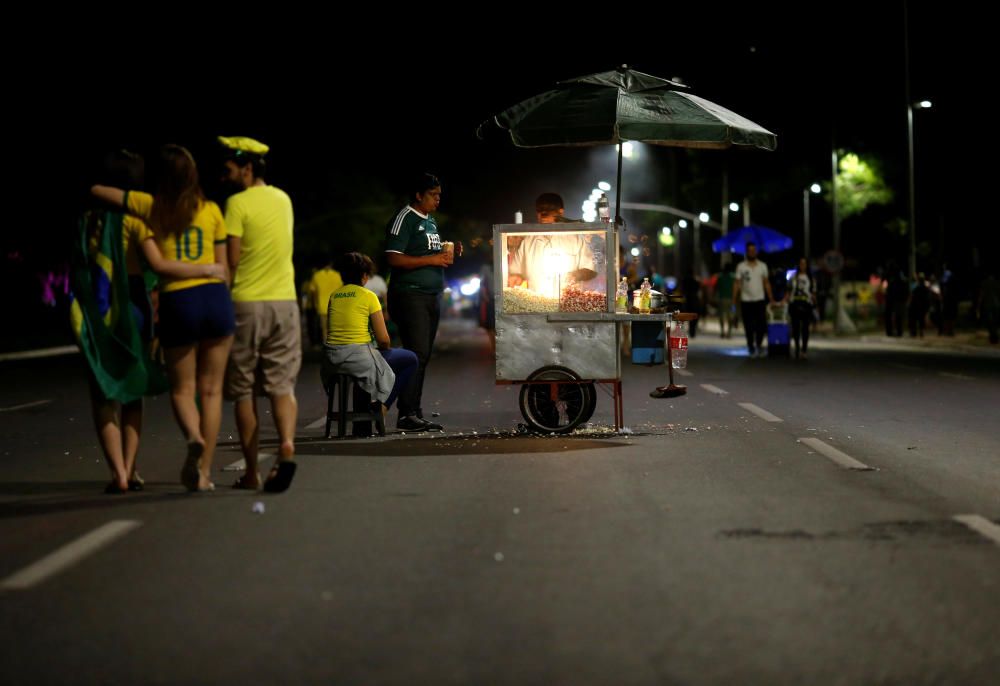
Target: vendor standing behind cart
531, 260
417, 257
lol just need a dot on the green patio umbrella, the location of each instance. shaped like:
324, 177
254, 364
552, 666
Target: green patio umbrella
626, 105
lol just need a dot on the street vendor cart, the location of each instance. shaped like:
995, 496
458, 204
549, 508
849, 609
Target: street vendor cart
557, 335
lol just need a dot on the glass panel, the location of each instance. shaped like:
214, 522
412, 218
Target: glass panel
563, 271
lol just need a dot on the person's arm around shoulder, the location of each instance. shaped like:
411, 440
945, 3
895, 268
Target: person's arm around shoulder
109, 194
179, 270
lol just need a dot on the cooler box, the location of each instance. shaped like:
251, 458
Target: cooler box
648, 340
778, 332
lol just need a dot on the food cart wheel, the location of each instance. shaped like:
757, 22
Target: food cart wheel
574, 403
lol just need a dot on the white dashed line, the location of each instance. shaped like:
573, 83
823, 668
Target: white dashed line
319, 423
831, 453
980, 525
241, 464
950, 375
45, 352
25, 406
714, 389
760, 412
683, 372
68, 555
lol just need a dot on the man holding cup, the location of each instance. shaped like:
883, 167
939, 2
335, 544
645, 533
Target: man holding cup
417, 258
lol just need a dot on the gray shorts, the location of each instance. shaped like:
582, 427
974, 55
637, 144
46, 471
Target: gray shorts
267, 349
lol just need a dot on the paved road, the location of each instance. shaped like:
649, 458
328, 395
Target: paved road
711, 545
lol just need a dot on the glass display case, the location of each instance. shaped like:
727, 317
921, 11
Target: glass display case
546, 268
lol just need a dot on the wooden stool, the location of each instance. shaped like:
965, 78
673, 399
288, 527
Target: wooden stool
340, 385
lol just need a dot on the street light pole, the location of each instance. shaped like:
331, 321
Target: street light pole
725, 210
696, 254
910, 106
805, 223
836, 240
913, 202
806, 231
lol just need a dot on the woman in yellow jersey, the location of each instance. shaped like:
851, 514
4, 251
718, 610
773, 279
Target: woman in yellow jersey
354, 322
117, 404
196, 315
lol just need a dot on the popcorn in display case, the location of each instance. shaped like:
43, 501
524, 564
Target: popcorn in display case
550, 270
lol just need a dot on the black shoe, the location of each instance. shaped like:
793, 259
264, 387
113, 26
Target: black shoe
432, 426
411, 423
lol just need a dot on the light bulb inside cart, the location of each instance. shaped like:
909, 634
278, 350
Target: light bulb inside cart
556, 265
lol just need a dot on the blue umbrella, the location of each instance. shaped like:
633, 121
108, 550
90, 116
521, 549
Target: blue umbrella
767, 240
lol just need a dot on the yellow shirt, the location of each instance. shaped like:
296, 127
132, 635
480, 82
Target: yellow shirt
322, 285
261, 217
348, 315
195, 245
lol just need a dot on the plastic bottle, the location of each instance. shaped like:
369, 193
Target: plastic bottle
621, 296
678, 345
604, 208
645, 296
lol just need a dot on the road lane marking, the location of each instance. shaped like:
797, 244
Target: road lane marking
714, 389
760, 412
25, 406
980, 525
318, 423
68, 555
831, 453
241, 464
44, 352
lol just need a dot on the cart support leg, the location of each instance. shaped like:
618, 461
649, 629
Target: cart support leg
619, 410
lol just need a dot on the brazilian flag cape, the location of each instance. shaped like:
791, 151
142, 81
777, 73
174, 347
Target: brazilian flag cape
101, 313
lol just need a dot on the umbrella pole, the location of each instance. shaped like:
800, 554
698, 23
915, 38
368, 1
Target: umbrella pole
618, 190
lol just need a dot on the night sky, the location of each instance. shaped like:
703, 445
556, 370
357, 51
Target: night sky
351, 106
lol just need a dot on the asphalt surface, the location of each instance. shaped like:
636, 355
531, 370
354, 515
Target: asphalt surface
704, 545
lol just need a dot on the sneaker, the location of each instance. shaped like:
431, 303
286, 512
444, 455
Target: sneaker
411, 423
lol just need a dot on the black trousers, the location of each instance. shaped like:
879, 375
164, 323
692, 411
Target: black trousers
754, 322
416, 316
801, 316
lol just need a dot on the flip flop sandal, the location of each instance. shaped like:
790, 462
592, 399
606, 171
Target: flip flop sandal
282, 477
